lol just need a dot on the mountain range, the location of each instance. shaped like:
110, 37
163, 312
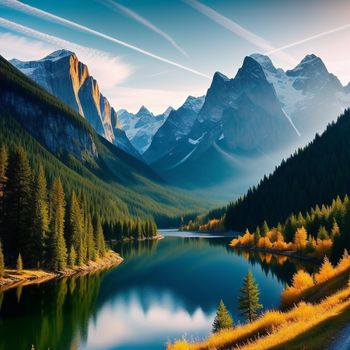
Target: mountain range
68, 147
260, 113
223, 141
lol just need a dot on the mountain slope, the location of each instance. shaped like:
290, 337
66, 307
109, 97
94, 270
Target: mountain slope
315, 174
177, 125
64, 76
67, 145
241, 118
141, 127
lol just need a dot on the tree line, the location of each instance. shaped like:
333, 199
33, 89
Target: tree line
46, 226
322, 230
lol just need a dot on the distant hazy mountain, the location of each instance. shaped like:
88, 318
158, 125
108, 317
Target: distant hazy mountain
63, 75
178, 124
141, 127
260, 112
347, 88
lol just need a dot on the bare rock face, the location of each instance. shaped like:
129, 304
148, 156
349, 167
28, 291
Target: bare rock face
64, 76
58, 133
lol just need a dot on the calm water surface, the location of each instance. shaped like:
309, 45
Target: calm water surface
162, 291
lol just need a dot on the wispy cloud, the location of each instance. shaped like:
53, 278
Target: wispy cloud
57, 19
107, 69
237, 29
310, 38
135, 16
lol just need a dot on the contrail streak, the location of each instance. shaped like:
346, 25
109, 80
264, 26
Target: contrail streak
237, 29
51, 17
132, 14
310, 38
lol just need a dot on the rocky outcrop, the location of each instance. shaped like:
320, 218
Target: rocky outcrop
53, 129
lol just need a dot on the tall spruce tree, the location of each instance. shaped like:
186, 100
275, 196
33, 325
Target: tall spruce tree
223, 319
248, 300
3, 180
91, 248
99, 237
18, 204
19, 263
76, 228
57, 250
40, 229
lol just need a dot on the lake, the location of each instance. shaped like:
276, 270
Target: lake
162, 291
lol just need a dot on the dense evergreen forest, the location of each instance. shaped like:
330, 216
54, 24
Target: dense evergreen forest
313, 175
49, 227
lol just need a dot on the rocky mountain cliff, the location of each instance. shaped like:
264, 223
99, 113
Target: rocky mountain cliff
63, 75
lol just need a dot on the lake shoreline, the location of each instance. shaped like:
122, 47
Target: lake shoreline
14, 279
288, 253
127, 239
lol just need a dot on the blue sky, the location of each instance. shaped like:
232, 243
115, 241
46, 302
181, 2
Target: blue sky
175, 46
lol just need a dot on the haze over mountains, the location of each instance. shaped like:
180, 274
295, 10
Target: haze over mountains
225, 140
262, 113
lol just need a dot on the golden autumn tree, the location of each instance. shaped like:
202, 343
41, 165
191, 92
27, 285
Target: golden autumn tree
300, 238
326, 271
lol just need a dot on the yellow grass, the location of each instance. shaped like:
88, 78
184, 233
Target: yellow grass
274, 328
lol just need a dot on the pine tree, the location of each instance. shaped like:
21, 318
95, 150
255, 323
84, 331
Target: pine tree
76, 228
72, 256
248, 300
264, 229
57, 250
3, 180
2, 262
223, 319
91, 249
19, 264
39, 234
99, 238
257, 236
18, 204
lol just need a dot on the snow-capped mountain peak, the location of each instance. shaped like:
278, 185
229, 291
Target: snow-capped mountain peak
264, 61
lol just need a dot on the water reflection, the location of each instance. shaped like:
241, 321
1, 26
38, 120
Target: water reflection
161, 291
54, 315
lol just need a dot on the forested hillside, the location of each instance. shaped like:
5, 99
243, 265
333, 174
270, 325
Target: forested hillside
313, 175
116, 185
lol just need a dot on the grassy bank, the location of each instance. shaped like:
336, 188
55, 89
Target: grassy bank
317, 315
12, 278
